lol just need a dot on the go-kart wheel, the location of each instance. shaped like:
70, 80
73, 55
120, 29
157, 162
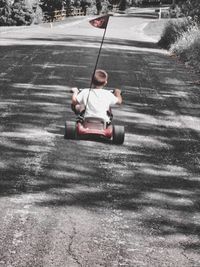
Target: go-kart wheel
70, 130
118, 134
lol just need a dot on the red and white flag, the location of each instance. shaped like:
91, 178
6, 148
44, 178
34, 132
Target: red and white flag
100, 22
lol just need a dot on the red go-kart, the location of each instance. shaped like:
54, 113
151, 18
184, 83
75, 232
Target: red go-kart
94, 129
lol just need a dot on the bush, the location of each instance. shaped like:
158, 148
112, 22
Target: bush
190, 8
187, 47
173, 30
51, 5
16, 14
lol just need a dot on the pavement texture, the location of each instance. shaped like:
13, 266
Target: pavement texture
83, 203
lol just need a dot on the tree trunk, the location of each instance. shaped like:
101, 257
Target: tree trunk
98, 6
122, 5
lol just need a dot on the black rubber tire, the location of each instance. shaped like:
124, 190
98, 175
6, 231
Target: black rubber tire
118, 134
70, 130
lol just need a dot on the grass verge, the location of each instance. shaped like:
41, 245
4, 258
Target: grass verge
182, 37
187, 47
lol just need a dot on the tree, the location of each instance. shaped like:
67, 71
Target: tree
2, 3
98, 6
190, 8
21, 14
114, 2
52, 5
122, 5
5, 14
15, 14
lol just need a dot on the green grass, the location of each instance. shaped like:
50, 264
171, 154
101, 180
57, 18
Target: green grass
182, 37
187, 47
173, 30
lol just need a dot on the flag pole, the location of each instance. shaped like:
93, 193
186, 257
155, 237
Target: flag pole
96, 61
98, 57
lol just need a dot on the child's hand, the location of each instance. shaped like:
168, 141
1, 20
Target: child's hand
117, 92
74, 90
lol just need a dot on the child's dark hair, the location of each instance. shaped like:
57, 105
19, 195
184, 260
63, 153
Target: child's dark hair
100, 78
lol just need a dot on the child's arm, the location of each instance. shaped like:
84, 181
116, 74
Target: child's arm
117, 93
74, 96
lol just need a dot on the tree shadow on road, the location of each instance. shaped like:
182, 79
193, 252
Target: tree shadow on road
83, 40
153, 176
90, 40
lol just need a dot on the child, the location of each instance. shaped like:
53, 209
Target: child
96, 101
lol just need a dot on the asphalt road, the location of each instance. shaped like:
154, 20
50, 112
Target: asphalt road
82, 203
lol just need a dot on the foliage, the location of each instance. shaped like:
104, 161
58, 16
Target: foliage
122, 5
15, 14
93, 6
182, 36
187, 47
21, 14
114, 2
3, 3
190, 8
173, 30
98, 6
52, 5
18, 13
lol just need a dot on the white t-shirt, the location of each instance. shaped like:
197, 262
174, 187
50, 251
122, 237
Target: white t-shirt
99, 102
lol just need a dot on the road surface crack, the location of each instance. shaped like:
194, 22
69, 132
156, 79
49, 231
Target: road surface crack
70, 247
